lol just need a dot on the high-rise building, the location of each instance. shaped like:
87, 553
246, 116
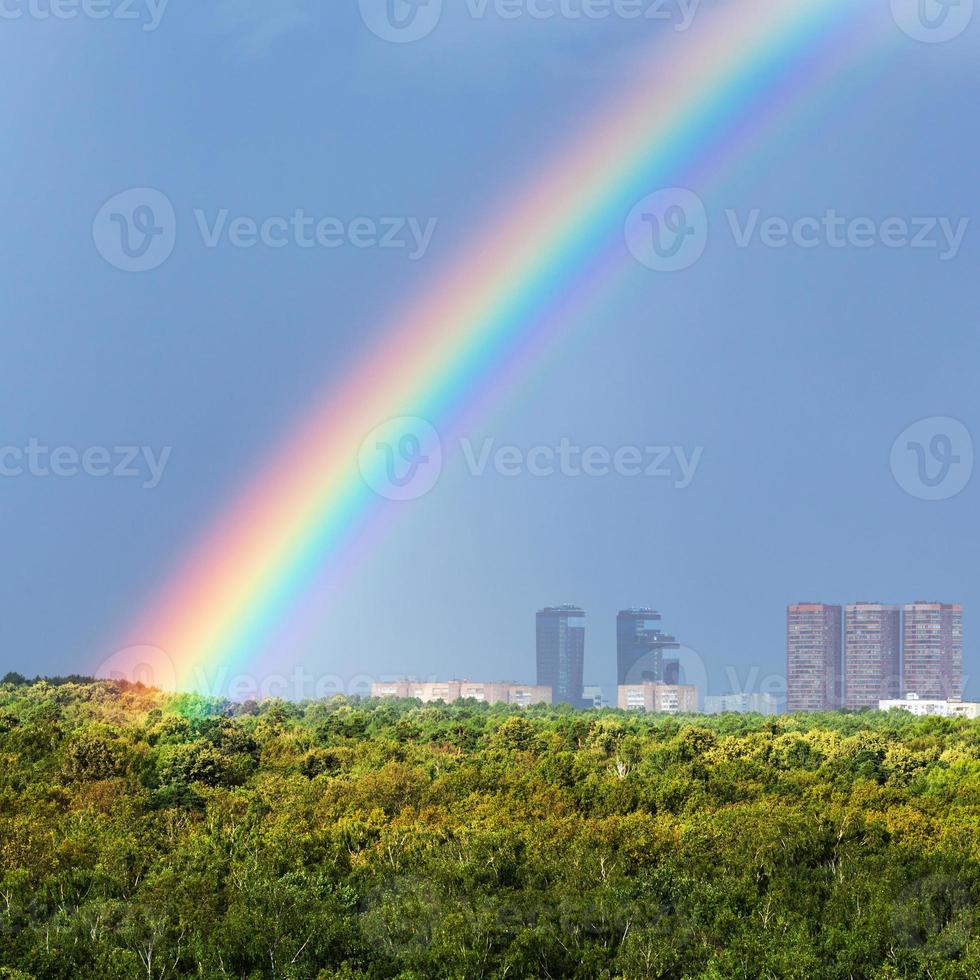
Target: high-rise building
813, 657
640, 646
932, 650
561, 653
872, 638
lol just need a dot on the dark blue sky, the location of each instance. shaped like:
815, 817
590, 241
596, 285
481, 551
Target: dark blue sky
793, 370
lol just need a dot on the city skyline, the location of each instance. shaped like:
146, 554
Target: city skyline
629, 649
863, 655
850, 656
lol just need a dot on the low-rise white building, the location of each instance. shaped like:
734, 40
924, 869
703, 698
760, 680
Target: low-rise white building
652, 696
493, 692
942, 708
754, 703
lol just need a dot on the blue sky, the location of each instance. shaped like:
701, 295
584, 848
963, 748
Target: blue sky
792, 370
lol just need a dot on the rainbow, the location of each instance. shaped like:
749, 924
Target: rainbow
700, 98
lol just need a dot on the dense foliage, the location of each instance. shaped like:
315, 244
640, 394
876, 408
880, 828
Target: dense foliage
146, 835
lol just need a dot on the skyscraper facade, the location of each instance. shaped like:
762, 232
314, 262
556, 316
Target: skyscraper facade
872, 638
640, 646
813, 657
932, 654
561, 652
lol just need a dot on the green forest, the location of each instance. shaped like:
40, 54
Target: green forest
144, 834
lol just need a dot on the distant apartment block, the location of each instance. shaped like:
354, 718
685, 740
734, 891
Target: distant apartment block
760, 704
492, 692
813, 657
561, 653
872, 640
640, 646
932, 650
654, 696
940, 707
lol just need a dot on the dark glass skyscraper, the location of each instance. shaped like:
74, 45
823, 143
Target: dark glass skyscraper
561, 652
640, 646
